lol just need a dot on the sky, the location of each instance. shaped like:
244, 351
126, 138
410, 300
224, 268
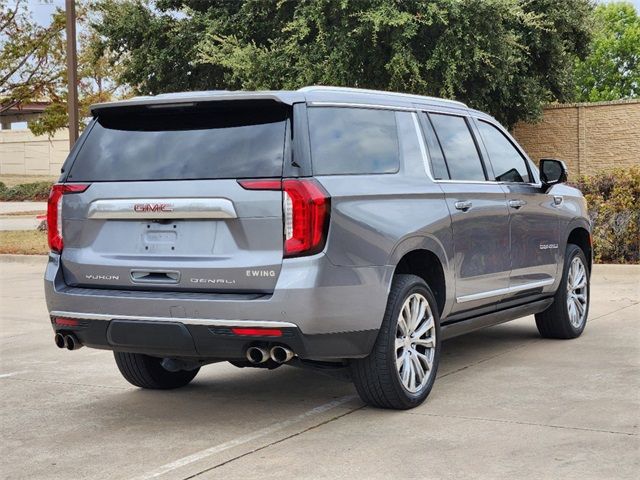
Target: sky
42, 9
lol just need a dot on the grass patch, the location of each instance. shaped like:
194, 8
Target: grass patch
13, 180
24, 242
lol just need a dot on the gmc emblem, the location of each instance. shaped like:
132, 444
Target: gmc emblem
153, 207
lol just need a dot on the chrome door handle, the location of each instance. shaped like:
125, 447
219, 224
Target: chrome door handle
464, 206
517, 203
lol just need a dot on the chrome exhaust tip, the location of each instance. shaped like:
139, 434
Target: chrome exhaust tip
281, 354
257, 355
59, 339
71, 342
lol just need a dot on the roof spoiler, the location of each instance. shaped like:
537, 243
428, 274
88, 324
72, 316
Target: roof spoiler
188, 99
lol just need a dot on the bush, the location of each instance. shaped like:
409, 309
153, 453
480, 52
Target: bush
613, 197
37, 191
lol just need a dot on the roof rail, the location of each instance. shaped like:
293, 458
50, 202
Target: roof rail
328, 88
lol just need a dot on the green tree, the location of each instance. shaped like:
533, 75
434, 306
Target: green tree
33, 66
31, 56
611, 70
507, 57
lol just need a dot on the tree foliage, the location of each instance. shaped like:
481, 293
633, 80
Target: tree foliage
503, 56
31, 56
611, 71
33, 65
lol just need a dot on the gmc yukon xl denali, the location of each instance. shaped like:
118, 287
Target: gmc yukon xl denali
342, 230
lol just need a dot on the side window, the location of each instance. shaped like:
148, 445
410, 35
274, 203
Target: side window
353, 140
508, 164
438, 165
458, 146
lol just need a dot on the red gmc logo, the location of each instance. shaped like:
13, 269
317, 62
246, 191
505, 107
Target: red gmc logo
153, 207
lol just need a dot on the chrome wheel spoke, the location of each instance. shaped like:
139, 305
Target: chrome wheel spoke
577, 292
415, 343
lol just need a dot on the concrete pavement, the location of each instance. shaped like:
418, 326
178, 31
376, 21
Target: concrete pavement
507, 404
20, 222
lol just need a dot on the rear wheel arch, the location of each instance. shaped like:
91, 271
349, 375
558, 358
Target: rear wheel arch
428, 266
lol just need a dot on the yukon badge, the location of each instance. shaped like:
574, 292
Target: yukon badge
152, 207
102, 277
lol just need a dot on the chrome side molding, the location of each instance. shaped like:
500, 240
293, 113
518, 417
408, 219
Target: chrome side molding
159, 208
504, 291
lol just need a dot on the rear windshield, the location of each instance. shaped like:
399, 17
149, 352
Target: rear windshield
181, 144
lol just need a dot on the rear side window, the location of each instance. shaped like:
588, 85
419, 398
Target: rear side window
353, 141
161, 144
458, 146
508, 164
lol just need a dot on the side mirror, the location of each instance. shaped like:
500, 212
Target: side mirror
552, 171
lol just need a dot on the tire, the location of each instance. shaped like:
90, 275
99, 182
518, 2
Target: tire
559, 321
147, 372
379, 378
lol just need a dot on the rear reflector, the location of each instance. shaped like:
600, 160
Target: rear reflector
54, 212
257, 332
306, 211
66, 322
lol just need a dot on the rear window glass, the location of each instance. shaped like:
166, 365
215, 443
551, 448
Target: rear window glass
459, 149
353, 141
161, 144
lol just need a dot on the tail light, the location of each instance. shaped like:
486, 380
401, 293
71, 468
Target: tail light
306, 210
54, 212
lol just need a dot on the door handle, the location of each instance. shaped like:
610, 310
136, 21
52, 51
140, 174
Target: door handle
464, 206
517, 203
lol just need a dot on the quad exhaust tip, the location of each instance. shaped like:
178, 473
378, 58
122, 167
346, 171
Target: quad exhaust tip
257, 355
281, 354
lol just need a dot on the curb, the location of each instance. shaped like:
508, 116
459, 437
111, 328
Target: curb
28, 259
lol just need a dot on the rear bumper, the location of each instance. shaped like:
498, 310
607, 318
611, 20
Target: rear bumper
324, 311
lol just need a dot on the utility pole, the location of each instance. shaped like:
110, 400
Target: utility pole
72, 71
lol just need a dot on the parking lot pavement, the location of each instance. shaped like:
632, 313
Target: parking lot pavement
507, 404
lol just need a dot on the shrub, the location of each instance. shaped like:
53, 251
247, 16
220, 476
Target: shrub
613, 197
36, 191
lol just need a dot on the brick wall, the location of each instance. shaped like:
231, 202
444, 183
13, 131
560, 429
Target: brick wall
587, 136
22, 153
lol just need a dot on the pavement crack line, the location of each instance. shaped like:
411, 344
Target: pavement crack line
517, 422
203, 454
293, 435
63, 383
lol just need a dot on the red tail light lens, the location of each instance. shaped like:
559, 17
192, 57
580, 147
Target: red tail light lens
306, 211
54, 212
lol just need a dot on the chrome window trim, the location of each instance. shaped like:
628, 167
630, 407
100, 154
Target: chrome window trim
361, 105
426, 161
219, 208
503, 291
186, 321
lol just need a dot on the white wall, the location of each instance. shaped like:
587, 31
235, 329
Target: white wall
22, 153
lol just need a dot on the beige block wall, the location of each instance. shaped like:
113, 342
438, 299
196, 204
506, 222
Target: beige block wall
22, 153
587, 136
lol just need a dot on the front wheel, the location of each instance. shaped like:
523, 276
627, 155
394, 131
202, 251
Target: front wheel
401, 369
145, 371
567, 315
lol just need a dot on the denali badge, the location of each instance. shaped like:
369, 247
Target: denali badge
153, 207
261, 273
212, 280
548, 246
102, 277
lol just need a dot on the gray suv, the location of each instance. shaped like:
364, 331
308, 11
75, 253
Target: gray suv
342, 230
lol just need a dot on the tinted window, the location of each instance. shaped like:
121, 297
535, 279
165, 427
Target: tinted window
508, 164
353, 140
459, 149
438, 166
188, 144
